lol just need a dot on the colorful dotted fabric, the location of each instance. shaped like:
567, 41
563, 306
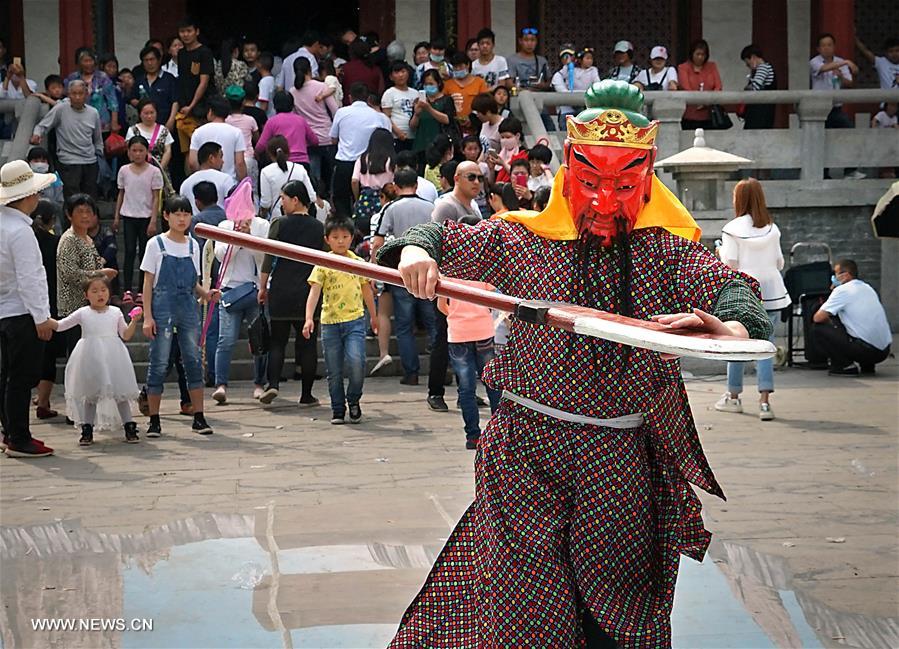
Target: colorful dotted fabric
567, 515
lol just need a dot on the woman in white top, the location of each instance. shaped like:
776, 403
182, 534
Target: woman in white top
273, 177
751, 244
584, 74
659, 75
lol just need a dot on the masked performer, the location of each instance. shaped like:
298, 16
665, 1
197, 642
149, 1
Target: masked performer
583, 500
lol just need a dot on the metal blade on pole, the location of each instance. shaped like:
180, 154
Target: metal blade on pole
570, 317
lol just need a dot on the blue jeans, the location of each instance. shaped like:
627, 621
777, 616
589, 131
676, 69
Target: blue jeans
229, 330
468, 361
212, 341
764, 369
344, 348
405, 307
173, 310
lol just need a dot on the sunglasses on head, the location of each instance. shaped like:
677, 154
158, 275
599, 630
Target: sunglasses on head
473, 177
529, 31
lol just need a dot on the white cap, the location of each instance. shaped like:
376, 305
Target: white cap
623, 46
659, 52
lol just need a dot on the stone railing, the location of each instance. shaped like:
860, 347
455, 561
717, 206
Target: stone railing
28, 113
805, 147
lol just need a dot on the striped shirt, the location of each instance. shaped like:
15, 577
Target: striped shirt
762, 78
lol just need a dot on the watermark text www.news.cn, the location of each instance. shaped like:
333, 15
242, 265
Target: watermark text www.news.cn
91, 624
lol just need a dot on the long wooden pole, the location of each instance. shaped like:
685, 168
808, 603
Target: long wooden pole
570, 317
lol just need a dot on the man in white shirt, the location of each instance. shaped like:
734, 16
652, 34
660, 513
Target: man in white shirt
398, 103
494, 69
862, 333
425, 188
24, 306
350, 131
830, 72
887, 67
310, 50
228, 137
211, 160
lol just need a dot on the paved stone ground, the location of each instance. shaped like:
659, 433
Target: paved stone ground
331, 529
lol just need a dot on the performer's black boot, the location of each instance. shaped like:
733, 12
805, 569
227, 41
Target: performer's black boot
596, 638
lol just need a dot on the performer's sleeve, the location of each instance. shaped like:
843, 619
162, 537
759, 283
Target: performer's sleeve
462, 251
425, 235
737, 301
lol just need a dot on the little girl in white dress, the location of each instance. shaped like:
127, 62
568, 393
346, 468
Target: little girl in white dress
100, 382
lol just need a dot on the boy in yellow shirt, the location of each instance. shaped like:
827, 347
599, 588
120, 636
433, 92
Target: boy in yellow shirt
343, 322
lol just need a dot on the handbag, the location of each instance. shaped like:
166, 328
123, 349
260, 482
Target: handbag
259, 335
720, 119
237, 295
114, 146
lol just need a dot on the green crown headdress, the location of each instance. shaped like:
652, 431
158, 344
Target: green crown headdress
613, 118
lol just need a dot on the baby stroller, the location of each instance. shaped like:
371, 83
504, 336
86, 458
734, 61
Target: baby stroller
808, 283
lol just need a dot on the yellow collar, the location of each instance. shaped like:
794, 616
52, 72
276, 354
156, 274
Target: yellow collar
663, 210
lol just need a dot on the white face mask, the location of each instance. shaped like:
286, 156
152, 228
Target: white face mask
40, 167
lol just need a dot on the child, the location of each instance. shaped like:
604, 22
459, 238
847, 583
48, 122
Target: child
510, 138
54, 90
248, 127
99, 373
447, 173
250, 99
372, 171
171, 268
343, 322
138, 202
440, 151
328, 75
886, 118
266, 83
470, 336
39, 160
539, 158
472, 150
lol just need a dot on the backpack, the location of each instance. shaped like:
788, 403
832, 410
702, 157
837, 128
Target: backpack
656, 85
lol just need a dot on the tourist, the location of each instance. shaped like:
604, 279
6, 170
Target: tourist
228, 137
761, 77
344, 298
432, 115
371, 172
309, 50
266, 84
294, 128
284, 290
211, 159
314, 101
276, 175
659, 75
25, 323
501, 96
488, 113
79, 140
159, 138
171, 268
624, 69
887, 66
158, 86
698, 74
170, 56
195, 83
229, 70
851, 327
511, 136
359, 69
490, 66
463, 87
576, 74
100, 90
751, 244
137, 204
44, 218
99, 374
527, 69
398, 103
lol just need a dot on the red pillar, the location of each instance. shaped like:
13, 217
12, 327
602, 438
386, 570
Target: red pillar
164, 17
16, 43
471, 17
380, 16
76, 30
838, 18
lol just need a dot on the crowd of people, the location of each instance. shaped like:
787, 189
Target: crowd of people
311, 148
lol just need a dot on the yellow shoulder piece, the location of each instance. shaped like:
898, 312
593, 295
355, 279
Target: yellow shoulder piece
554, 222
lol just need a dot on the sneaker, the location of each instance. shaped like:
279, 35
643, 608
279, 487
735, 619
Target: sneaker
726, 404
471, 443
131, 436
187, 409
355, 413
308, 402
219, 396
765, 412
268, 395
383, 362
337, 421
143, 402
437, 403
154, 429
409, 379
849, 370
257, 392
87, 435
33, 448
200, 426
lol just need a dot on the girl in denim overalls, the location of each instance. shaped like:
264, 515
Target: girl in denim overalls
170, 290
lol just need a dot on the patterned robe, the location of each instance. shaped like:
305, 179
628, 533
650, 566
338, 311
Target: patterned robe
568, 515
